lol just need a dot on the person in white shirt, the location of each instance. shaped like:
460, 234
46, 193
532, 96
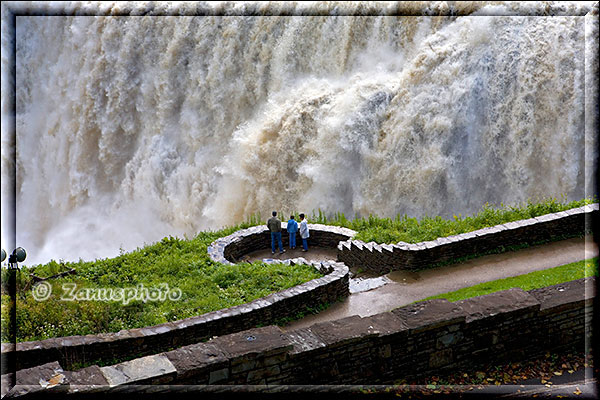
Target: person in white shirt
304, 232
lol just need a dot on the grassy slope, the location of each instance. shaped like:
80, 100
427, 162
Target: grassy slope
184, 264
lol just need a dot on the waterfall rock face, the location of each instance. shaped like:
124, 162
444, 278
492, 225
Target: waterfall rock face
129, 129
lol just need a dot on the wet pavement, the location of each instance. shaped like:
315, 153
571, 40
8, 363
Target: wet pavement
358, 282
313, 254
399, 288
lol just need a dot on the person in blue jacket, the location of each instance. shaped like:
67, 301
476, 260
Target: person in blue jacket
292, 228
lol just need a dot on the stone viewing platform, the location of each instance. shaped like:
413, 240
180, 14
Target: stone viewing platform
383, 258
231, 249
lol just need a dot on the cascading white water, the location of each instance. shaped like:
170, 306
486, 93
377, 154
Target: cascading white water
130, 129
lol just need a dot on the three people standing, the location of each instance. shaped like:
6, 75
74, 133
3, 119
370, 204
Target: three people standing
274, 225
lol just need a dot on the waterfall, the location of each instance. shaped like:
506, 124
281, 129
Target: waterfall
129, 129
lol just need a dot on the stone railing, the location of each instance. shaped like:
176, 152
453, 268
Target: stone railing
383, 258
427, 338
150, 340
230, 249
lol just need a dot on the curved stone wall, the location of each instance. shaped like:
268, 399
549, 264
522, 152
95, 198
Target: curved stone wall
383, 258
229, 249
432, 337
102, 348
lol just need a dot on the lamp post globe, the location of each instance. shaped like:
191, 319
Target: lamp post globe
20, 253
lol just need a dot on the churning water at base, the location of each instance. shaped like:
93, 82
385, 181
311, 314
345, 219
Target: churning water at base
130, 129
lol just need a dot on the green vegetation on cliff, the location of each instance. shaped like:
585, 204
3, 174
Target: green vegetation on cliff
178, 263
413, 230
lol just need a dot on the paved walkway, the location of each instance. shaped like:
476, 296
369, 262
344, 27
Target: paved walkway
404, 288
314, 253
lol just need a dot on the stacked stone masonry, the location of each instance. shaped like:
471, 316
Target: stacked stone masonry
230, 249
418, 340
150, 340
383, 258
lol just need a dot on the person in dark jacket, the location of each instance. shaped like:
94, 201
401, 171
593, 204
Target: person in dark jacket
274, 225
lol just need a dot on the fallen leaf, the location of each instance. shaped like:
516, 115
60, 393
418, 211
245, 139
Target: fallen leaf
577, 391
557, 373
57, 379
570, 371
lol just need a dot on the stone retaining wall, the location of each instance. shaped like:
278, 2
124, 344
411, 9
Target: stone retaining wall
230, 249
406, 256
151, 340
419, 340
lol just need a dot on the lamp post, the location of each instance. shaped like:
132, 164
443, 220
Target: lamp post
18, 255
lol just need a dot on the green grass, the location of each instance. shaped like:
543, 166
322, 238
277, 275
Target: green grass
532, 280
179, 263
413, 230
